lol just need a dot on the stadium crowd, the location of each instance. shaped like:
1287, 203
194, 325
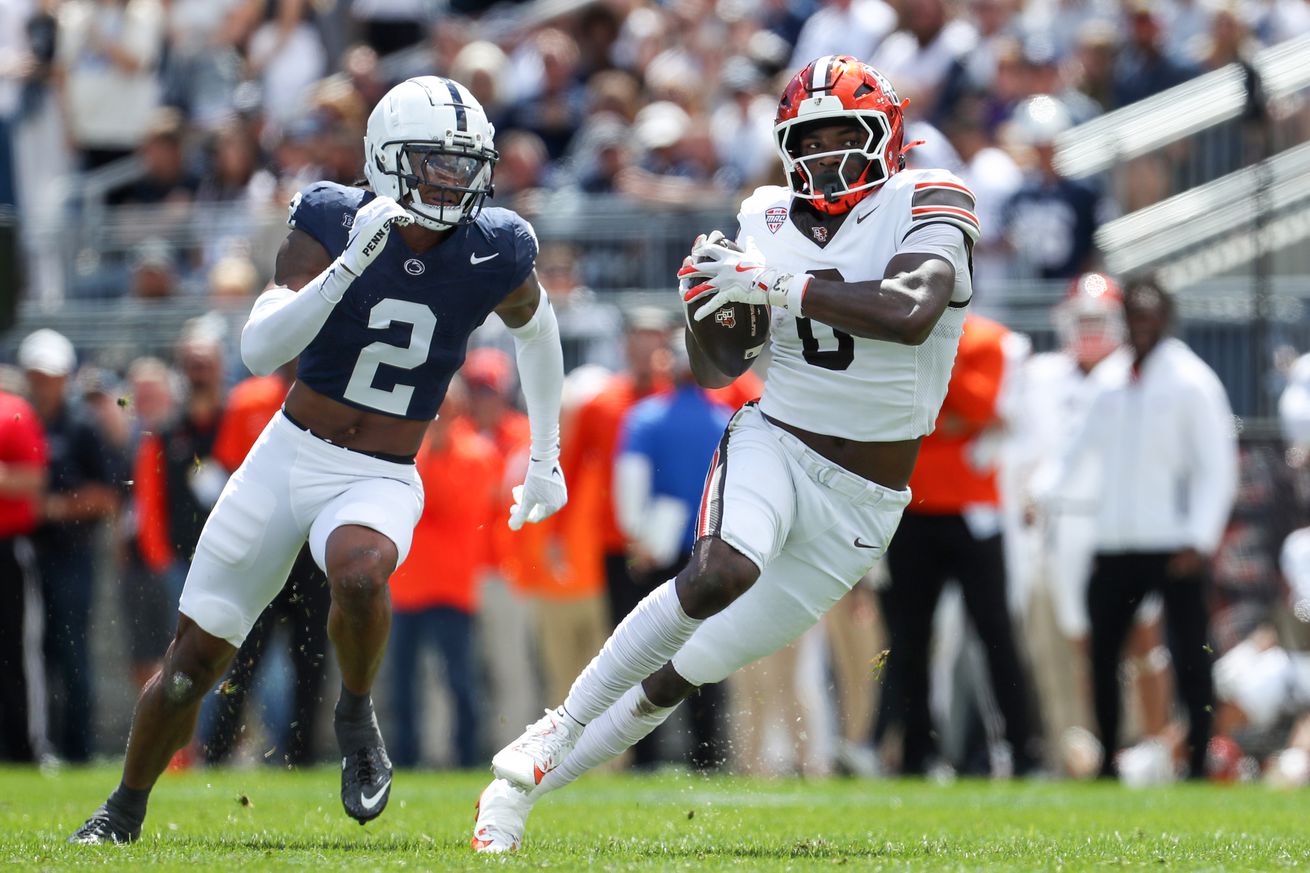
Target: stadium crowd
229, 108
237, 104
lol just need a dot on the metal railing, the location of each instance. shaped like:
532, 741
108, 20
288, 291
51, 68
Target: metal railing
1202, 103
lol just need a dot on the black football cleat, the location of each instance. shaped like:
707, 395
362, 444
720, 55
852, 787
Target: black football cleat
366, 782
105, 828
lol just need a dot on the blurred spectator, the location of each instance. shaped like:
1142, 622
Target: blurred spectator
232, 279
505, 611
1185, 25
843, 27
360, 64
592, 451
481, 66
202, 66
1065, 20
659, 476
1160, 428
572, 617
587, 326
976, 73
235, 158
1054, 549
434, 593
391, 25
176, 479
302, 605
108, 50
149, 601
167, 178
1143, 69
555, 104
154, 270
521, 170
952, 530
83, 490
1051, 220
22, 479
1046, 74
994, 178
602, 155
1097, 49
918, 56
286, 52
742, 127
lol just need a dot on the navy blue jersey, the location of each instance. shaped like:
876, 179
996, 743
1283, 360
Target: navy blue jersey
400, 332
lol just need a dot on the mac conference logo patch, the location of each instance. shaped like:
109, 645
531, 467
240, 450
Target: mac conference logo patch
774, 216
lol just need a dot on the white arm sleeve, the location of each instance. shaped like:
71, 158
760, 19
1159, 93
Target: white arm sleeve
1213, 480
283, 322
541, 373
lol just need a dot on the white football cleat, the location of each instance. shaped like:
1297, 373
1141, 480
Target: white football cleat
540, 749
502, 814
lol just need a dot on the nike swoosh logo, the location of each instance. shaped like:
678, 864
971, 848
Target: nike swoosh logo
370, 802
860, 218
475, 260
860, 544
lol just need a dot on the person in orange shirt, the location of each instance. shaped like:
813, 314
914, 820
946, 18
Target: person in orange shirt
560, 563
434, 593
951, 530
302, 604
505, 612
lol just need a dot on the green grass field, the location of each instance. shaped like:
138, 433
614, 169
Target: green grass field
266, 819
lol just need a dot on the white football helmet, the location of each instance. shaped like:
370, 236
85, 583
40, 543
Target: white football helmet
429, 147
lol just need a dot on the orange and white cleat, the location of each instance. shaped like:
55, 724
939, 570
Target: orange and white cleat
502, 814
541, 748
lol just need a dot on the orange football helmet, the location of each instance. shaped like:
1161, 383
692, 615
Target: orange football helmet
839, 88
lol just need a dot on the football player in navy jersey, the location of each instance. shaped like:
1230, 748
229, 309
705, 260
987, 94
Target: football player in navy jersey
377, 292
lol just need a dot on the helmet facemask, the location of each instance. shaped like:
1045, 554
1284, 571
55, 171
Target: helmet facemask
835, 190
442, 184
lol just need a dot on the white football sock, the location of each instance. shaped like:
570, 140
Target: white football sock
607, 736
641, 644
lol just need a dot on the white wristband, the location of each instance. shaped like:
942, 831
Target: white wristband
789, 290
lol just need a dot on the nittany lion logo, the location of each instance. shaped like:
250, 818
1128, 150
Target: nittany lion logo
414, 267
726, 317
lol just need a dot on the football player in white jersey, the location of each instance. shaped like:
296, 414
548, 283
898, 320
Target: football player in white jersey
866, 266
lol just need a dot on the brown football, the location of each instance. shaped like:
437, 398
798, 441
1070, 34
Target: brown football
732, 336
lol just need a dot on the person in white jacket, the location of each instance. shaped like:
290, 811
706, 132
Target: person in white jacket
1161, 429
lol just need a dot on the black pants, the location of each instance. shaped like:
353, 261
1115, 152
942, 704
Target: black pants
15, 736
303, 604
926, 552
1118, 584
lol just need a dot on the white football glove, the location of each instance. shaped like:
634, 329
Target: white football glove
542, 494
369, 232
733, 274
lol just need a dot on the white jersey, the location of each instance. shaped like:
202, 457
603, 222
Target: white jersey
828, 381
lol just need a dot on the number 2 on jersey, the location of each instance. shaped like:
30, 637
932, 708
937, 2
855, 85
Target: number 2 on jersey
829, 359
394, 400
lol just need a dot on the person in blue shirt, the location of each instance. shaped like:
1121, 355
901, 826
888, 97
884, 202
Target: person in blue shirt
659, 478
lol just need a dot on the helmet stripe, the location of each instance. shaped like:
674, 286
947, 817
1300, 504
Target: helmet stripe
822, 68
461, 122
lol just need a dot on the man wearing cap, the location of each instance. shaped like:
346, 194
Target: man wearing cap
84, 470
1050, 221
